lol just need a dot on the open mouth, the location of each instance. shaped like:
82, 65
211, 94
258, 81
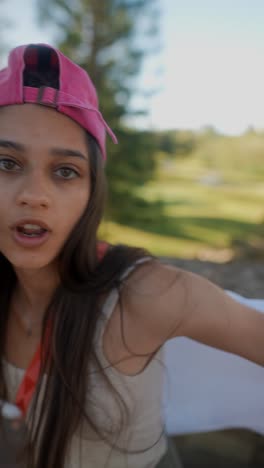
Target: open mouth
31, 231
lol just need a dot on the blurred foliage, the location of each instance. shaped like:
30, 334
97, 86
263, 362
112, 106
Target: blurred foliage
206, 204
109, 39
129, 170
175, 142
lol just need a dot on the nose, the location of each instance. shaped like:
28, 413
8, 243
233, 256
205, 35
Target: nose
34, 192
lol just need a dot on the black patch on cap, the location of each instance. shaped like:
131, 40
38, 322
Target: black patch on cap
41, 67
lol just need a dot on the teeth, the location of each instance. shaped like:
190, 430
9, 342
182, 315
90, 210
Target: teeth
31, 226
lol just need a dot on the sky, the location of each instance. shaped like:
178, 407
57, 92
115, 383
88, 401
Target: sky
211, 57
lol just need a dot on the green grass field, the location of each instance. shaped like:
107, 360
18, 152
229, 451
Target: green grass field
196, 210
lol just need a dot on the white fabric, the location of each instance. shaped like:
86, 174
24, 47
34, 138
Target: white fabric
207, 389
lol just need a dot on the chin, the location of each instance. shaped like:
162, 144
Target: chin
30, 261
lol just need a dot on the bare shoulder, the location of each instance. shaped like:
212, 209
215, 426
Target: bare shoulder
153, 298
163, 302
144, 317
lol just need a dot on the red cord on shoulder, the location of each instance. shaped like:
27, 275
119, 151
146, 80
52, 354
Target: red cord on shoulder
101, 249
28, 384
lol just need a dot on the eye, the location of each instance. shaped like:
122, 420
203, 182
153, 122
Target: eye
8, 165
67, 173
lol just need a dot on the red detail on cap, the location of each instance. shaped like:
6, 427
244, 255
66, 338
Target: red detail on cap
31, 57
54, 60
34, 56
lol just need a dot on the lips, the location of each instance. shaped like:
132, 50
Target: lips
28, 236
33, 221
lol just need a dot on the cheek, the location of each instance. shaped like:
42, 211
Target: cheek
79, 200
6, 203
73, 208
6, 190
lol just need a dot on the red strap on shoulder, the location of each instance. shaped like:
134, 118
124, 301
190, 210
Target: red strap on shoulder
102, 248
28, 384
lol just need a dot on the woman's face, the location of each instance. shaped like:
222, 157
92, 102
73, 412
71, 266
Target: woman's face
44, 177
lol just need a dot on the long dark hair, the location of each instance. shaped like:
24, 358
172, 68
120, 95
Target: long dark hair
74, 311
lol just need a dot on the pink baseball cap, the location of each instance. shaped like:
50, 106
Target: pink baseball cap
76, 96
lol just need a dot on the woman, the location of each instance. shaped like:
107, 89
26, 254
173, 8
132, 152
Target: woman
83, 323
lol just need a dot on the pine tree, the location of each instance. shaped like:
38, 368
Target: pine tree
109, 39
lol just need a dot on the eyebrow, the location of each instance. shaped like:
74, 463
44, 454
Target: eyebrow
68, 152
54, 151
12, 145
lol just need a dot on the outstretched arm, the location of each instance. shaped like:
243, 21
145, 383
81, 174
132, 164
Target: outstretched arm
214, 318
165, 302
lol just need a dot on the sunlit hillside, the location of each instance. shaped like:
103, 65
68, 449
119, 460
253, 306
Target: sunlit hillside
205, 204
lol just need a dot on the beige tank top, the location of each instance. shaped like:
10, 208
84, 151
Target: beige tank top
142, 395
